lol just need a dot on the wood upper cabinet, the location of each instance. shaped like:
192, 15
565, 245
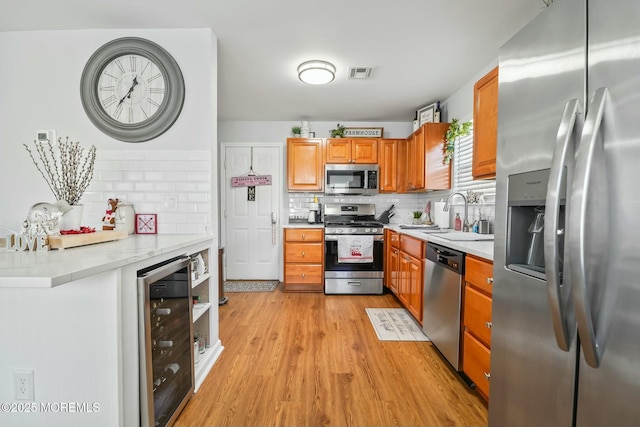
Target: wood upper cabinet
485, 125
424, 167
415, 161
352, 150
388, 163
305, 164
438, 175
476, 353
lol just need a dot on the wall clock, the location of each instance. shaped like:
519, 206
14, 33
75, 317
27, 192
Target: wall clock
132, 89
146, 224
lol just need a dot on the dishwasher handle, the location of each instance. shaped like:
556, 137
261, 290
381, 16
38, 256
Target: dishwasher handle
445, 257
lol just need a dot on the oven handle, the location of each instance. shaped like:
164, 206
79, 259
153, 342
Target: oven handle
334, 237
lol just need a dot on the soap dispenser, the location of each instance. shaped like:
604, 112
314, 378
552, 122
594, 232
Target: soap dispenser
458, 223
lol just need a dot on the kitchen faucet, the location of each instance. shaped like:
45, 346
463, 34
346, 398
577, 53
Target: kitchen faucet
465, 223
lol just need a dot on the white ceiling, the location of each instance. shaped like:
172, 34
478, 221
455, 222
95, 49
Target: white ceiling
421, 50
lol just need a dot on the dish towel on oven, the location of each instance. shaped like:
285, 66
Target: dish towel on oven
355, 249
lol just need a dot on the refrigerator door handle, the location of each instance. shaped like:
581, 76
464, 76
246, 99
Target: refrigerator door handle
558, 290
587, 271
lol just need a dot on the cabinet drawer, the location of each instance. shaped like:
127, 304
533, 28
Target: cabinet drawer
477, 314
304, 252
476, 363
479, 273
394, 239
303, 234
303, 273
411, 246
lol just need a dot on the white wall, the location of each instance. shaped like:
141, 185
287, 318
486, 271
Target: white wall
39, 83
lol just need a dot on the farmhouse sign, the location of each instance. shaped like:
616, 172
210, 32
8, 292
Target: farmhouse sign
363, 132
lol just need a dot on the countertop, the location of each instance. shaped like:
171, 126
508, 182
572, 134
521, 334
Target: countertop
482, 249
302, 225
57, 267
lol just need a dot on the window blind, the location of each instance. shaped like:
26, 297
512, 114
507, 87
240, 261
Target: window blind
462, 178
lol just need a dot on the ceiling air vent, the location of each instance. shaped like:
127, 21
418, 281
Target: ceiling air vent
360, 72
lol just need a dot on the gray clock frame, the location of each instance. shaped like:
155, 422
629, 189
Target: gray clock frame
171, 105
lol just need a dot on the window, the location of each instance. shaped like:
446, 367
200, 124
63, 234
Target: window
462, 178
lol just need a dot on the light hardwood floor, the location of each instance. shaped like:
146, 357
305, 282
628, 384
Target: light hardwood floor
296, 359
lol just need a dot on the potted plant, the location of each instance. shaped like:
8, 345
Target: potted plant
456, 130
338, 132
295, 131
417, 216
67, 169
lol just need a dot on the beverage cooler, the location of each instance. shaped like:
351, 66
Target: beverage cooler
166, 348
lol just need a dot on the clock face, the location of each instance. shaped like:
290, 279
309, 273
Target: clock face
131, 88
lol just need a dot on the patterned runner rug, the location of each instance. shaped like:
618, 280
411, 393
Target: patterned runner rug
250, 285
395, 324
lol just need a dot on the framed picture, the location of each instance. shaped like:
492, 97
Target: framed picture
427, 114
146, 224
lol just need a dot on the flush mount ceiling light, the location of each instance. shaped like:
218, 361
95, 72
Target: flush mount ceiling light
316, 72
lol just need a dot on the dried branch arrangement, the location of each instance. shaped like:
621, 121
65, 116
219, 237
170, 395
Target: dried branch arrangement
66, 167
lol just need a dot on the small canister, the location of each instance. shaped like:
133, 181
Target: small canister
484, 227
125, 218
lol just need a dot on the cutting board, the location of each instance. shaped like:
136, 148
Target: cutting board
74, 240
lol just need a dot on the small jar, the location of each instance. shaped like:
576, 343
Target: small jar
125, 218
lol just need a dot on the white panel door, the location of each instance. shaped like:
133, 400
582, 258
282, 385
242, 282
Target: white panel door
251, 238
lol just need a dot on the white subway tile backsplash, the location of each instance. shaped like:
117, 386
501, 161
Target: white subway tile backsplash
145, 179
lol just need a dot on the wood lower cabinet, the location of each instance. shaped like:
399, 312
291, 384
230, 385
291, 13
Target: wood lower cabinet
485, 125
305, 164
476, 353
352, 150
303, 260
392, 260
411, 275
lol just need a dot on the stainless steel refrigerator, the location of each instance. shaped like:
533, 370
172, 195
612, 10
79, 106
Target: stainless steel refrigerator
565, 346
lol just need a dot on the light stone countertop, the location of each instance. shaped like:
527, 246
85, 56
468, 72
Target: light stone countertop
302, 225
56, 267
482, 249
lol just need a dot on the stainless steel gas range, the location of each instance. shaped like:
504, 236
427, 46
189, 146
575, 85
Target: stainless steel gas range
354, 248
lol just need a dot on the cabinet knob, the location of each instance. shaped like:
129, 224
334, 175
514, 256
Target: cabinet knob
488, 324
303, 237
489, 280
487, 375
302, 253
302, 275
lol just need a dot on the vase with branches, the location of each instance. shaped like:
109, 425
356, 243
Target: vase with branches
456, 130
66, 167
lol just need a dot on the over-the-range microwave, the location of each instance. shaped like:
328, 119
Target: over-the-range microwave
351, 179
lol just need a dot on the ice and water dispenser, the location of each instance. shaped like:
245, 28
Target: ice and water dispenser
525, 225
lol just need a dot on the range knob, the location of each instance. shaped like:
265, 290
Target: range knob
367, 230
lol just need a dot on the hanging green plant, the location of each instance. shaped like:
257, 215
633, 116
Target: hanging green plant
456, 130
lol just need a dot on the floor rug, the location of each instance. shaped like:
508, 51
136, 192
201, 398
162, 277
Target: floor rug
395, 324
250, 285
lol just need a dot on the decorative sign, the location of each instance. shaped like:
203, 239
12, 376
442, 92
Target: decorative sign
250, 180
23, 242
251, 193
363, 132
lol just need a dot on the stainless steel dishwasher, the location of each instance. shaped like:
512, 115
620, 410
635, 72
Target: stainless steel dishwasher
443, 272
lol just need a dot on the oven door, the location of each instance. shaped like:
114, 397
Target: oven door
331, 257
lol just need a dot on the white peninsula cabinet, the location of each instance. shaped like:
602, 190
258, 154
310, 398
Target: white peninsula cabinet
71, 317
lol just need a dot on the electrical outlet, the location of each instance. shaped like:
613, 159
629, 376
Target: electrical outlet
23, 380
